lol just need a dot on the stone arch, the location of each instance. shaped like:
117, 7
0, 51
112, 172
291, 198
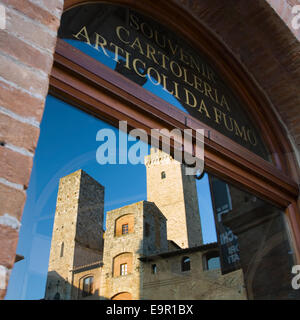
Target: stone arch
121, 259
125, 220
122, 296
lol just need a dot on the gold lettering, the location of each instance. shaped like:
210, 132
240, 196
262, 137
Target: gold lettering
173, 92
254, 143
185, 77
207, 90
176, 90
238, 132
134, 62
216, 96
133, 22
172, 48
218, 115
118, 29
198, 84
164, 58
150, 36
127, 60
210, 74
225, 122
151, 53
189, 94
183, 57
194, 63
117, 50
102, 44
137, 43
84, 35
224, 102
179, 72
203, 107
158, 81
164, 83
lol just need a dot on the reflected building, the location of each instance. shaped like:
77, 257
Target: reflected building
150, 249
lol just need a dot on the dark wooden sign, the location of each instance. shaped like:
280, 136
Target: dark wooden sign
157, 59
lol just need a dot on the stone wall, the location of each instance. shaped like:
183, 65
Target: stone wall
176, 197
77, 237
170, 283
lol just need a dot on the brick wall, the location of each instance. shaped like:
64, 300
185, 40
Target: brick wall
26, 55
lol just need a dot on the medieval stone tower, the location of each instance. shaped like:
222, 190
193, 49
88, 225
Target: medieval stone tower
77, 237
175, 194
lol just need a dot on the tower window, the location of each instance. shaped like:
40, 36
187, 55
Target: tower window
147, 229
123, 269
125, 228
62, 249
185, 264
163, 174
153, 269
87, 286
211, 261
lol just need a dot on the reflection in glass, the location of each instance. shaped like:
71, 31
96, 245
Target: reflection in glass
160, 61
237, 243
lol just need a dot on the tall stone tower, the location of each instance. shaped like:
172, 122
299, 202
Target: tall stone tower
175, 194
77, 237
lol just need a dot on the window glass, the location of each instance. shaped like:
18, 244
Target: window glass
160, 61
69, 180
123, 269
124, 228
87, 286
186, 264
213, 263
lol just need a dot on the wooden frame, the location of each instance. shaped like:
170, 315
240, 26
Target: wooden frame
93, 87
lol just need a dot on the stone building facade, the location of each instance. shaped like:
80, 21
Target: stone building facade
77, 233
142, 255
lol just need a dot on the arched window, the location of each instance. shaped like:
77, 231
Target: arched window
163, 174
87, 287
122, 264
185, 264
124, 225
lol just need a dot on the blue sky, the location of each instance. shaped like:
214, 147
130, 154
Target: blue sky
67, 143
